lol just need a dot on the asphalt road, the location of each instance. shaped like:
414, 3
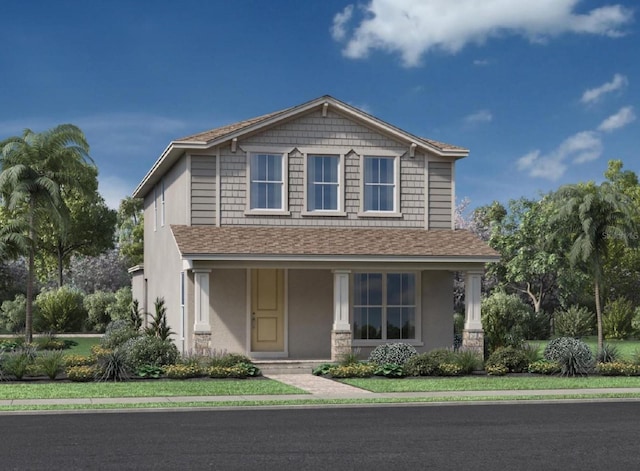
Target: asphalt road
584, 436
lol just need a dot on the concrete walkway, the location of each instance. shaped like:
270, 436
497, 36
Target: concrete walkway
318, 388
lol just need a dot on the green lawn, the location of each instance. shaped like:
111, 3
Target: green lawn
158, 388
84, 345
489, 383
626, 348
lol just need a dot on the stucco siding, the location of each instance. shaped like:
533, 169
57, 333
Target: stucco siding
440, 195
437, 310
333, 132
228, 310
203, 190
310, 313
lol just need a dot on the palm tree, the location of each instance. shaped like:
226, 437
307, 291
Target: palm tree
592, 216
33, 168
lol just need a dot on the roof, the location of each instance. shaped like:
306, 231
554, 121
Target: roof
247, 242
218, 136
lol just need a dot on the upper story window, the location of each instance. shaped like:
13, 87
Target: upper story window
267, 181
380, 184
162, 210
323, 183
155, 207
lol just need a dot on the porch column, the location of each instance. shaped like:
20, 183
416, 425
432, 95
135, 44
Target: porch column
341, 329
473, 334
201, 328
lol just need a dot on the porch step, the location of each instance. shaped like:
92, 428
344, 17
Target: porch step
278, 367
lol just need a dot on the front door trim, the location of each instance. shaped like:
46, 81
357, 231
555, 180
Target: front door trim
285, 352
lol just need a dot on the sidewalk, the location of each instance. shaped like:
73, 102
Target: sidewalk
319, 389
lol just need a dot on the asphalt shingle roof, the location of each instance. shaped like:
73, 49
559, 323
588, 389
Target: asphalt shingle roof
328, 241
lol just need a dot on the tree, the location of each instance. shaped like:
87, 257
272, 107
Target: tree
591, 215
131, 230
33, 167
88, 228
105, 272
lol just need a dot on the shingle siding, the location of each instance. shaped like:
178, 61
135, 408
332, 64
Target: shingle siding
314, 130
440, 195
203, 190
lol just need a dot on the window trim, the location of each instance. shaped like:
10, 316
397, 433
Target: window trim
155, 207
284, 210
417, 341
307, 153
381, 153
162, 205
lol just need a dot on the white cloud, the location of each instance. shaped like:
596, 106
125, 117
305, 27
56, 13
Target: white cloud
582, 147
618, 120
415, 27
113, 189
338, 30
481, 116
594, 94
481, 62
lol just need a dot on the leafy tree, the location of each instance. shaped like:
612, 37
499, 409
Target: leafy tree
33, 168
61, 310
99, 307
105, 272
131, 230
590, 215
88, 228
530, 260
503, 319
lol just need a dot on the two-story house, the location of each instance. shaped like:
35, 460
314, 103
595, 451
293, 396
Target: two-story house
305, 232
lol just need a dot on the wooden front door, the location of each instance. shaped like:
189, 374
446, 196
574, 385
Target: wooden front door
267, 310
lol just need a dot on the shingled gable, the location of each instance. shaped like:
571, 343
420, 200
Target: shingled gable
211, 243
221, 135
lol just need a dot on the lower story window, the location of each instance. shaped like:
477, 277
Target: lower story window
384, 306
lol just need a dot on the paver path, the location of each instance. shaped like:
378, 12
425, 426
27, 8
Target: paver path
319, 386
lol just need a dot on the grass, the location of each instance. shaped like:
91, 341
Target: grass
314, 402
84, 345
157, 388
626, 348
489, 383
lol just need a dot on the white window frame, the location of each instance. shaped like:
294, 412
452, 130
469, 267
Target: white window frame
417, 341
395, 212
155, 207
253, 150
310, 152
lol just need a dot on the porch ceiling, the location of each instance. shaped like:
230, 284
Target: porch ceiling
260, 242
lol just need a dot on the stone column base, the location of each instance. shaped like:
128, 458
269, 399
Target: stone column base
473, 340
202, 343
340, 344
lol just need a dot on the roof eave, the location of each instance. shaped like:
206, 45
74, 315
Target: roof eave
340, 258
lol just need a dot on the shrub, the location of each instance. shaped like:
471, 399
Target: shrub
323, 369
117, 333
78, 360
149, 371
467, 360
574, 355
61, 310
514, 359
158, 326
616, 319
10, 345
422, 364
50, 342
397, 353
503, 316
575, 321
635, 322
99, 306
122, 308
81, 373
224, 359
349, 358
18, 362
449, 369
239, 370
358, 370
535, 325
113, 366
496, 370
545, 367
617, 368
390, 370
13, 314
146, 350
181, 371
98, 350
51, 363
531, 352
609, 353
635, 357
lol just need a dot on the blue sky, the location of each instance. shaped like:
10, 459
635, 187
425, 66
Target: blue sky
543, 93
